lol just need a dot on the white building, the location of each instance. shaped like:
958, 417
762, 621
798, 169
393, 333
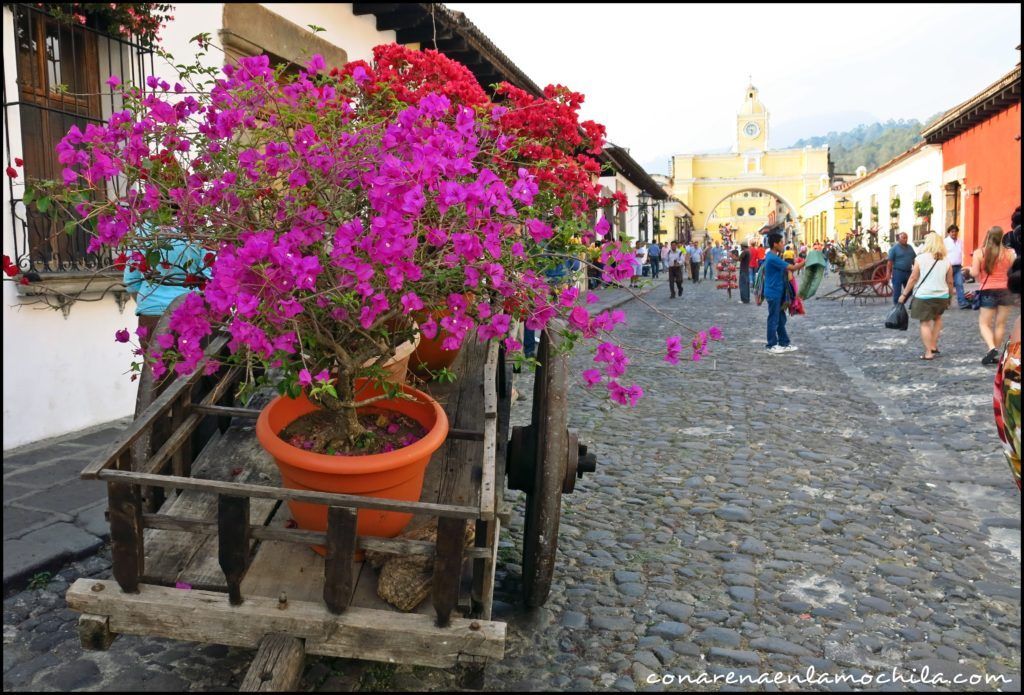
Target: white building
910, 177
623, 173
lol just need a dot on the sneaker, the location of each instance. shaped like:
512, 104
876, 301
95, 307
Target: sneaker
775, 350
790, 348
991, 358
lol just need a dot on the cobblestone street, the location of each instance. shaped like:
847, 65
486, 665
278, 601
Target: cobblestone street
846, 507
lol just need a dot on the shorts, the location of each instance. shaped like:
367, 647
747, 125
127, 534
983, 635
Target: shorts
928, 309
990, 299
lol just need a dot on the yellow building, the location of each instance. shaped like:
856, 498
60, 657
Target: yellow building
725, 188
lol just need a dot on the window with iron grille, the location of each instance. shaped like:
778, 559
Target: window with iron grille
61, 72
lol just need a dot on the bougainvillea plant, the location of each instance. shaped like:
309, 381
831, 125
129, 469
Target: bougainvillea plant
143, 20
336, 205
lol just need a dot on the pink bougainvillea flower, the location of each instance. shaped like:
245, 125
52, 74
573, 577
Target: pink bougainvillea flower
305, 378
592, 376
715, 333
122, 336
113, 81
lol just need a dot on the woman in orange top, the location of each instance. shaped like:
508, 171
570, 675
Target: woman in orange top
991, 264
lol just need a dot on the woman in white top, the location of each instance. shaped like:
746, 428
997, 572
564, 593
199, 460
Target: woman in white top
639, 261
932, 294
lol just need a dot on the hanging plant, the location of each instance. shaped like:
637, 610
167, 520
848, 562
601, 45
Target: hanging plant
923, 207
144, 20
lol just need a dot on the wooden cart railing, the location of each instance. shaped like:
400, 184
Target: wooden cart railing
145, 602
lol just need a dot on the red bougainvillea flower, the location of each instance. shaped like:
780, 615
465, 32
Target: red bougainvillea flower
18, 161
122, 336
12, 172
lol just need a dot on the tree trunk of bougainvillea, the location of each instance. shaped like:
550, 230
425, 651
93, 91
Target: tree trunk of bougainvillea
349, 429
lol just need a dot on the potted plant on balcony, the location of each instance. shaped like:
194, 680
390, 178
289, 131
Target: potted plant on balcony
336, 205
923, 209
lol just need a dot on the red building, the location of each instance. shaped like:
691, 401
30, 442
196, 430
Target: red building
981, 147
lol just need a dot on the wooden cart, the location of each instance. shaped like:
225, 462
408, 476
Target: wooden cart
203, 550
864, 276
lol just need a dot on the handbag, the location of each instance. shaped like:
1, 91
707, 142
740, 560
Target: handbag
976, 296
898, 318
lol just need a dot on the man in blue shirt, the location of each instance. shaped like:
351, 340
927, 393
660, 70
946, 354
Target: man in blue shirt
776, 277
654, 258
901, 265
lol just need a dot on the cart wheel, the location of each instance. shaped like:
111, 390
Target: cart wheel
880, 278
544, 501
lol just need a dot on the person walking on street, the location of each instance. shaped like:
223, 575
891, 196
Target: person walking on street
991, 266
674, 261
709, 268
901, 265
695, 258
654, 256
756, 256
955, 256
745, 273
776, 276
639, 261
931, 285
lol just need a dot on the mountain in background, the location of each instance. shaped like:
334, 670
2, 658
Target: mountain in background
868, 145
837, 121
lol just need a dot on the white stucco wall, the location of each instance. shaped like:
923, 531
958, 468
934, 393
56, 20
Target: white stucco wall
357, 35
922, 167
65, 374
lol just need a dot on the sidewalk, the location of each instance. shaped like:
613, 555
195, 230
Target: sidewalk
51, 516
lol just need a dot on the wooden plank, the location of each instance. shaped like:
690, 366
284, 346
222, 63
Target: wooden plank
94, 632
126, 549
450, 477
235, 455
490, 445
233, 542
182, 456
358, 633
146, 419
183, 431
503, 508
265, 492
341, 548
487, 535
451, 537
224, 410
286, 568
277, 666
392, 546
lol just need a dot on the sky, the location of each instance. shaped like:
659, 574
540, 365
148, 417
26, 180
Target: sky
669, 78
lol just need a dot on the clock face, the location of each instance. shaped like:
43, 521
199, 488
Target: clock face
751, 130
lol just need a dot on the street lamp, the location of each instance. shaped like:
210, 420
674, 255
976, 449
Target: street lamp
644, 200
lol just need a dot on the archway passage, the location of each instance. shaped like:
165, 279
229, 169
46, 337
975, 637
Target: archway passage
748, 210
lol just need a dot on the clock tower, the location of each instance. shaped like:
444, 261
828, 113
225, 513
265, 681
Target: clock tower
752, 124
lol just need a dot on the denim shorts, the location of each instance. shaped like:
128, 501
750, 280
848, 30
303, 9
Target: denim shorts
990, 299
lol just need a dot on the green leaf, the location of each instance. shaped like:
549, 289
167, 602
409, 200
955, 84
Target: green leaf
316, 28
69, 227
43, 205
28, 196
329, 389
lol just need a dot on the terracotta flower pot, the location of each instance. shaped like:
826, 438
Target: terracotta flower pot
429, 356
396, 475
397, 367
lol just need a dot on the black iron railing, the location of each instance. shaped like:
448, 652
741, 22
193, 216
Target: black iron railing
61, 76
